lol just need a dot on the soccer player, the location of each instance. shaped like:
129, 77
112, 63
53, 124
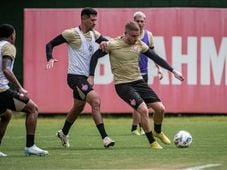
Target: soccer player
124, 54
15, 100
80, 41
147, 37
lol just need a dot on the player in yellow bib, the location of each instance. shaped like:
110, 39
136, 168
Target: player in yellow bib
124, 54
80, 41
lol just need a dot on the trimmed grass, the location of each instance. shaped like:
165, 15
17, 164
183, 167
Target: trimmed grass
209, 145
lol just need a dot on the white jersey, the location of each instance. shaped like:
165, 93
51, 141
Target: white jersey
79, 59
3, 80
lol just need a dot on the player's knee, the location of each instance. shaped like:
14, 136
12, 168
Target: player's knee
143, 110
95, 101
161, 109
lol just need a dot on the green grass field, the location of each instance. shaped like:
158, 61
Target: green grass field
209, 146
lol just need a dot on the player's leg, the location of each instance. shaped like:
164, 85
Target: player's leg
145, 123
158, 116
94, 101
31, 111
129, 93
4, 121
71, 117
135, 122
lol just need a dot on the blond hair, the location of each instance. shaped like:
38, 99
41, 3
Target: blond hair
139, 13
132, 26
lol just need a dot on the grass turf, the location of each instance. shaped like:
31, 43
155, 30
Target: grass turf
209, 145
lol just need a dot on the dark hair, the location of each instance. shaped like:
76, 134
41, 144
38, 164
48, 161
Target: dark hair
88, 11
6, 30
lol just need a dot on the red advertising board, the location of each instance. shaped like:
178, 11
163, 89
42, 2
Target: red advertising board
192, 40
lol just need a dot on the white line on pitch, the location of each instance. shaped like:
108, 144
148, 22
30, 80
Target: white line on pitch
202, 167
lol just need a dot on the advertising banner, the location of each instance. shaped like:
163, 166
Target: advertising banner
192, 40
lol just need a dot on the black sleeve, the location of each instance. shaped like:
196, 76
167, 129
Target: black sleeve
50, 45
157, 59
100, 39
94, 60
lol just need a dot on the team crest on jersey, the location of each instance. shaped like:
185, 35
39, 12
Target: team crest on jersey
135, 48
84, 87
90, 48
132, 102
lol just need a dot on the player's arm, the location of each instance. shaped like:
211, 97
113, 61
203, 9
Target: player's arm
49, 50
94, 60
157, 59
93, 63
160, 73
50, 45
6, 67
100, 39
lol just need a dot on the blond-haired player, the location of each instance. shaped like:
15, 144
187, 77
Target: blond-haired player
124, 54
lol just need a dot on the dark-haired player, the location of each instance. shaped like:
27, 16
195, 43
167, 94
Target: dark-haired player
15, 100
80, 41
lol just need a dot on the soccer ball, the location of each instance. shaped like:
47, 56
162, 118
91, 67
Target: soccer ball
182, 139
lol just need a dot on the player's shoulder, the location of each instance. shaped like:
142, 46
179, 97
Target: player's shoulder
149, 33
9, 50
69, 31
70, 34
96, 34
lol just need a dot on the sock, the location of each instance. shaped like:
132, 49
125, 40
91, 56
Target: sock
102, 130
66, 127
30, 140
158, 128
134, 127
150, 137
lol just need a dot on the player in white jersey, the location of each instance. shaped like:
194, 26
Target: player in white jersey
80, 41
15, 100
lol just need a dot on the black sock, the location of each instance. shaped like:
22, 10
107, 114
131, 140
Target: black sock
158, 128
102, 130
66, 127
134, 127
150, 137
30, 140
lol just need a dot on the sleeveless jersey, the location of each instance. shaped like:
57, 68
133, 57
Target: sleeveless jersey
143, 59
79, 59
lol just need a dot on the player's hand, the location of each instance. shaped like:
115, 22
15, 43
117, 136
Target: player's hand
160, 74
50, 63
91, 80
23, 93
178, 75
103, 46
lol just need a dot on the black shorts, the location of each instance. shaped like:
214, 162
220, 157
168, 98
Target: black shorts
11, 99
145, 78
134, 93
79, 85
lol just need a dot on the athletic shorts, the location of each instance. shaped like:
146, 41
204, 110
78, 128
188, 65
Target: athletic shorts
145, 78
11, 99
79, 85
134, 93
